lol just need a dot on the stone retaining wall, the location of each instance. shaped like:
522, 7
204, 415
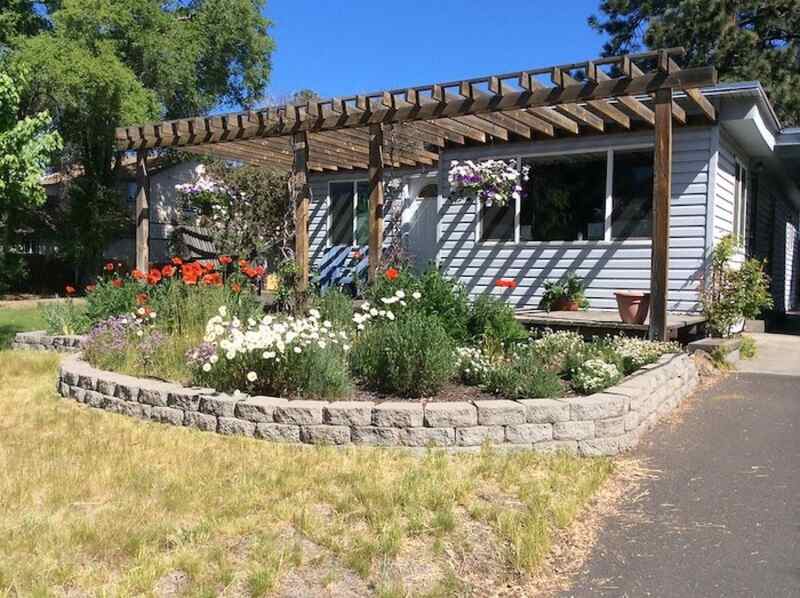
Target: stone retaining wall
606, 423
41, 341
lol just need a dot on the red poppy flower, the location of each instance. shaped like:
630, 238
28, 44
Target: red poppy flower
243, 263
109, 267
191, 272
70, 290
392, 273
117, 282
236, 287
142, 298
209, 266
260, 271
213, 280
225, 260
138, 275
176, 261
508, 283
90, 288
168, 271
154, 276
249, 272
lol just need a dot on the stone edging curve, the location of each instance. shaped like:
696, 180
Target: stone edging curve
39, 340
605, 423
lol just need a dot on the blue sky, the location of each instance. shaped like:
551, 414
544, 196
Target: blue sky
349, 46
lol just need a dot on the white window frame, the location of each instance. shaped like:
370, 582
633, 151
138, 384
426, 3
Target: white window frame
740, 192
329, 206
609, 202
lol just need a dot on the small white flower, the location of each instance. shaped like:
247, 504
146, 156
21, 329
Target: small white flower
390, 315
252, 376
400, 294
223, 311
416, 294
298, 350
140, 311
214, 359
206, 367
139, 333
314, 313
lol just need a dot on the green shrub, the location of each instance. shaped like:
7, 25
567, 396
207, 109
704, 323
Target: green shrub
64, 317
282, 356
444, 299
733, 294
336, 307
523, 377
492, 318
748, 350
109, 298
554, 349
412, 356
570, 288
636, 352
598, 350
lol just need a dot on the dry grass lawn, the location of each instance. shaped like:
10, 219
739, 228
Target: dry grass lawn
93, 504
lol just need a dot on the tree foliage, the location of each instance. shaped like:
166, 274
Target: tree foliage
744, 39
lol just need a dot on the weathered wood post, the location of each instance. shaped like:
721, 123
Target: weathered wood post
375, 175
662, 190
300, 199
142, 212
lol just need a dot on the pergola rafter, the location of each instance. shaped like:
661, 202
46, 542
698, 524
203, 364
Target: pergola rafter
411, 126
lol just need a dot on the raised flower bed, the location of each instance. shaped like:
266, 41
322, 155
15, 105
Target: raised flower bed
604, 423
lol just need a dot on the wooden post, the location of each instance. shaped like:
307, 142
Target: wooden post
662, 191
300, 199
142, 212
375, 175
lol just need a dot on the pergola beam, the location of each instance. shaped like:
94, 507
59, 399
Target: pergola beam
263, 124
300, 201
142, 212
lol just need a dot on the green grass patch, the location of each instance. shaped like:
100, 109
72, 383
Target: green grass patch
13, 320
101, 504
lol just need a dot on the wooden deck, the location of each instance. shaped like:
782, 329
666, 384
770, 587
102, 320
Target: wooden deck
589, 323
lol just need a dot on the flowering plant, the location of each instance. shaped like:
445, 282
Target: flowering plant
493, 182
274, 355
594, 375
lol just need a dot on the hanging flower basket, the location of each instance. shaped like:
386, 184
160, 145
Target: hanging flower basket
493, 182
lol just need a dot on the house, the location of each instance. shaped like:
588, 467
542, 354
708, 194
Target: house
637, 169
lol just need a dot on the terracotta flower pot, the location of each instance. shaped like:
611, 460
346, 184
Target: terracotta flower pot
565, 304
633, 306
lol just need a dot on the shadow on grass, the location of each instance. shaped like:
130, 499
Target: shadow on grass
18, 320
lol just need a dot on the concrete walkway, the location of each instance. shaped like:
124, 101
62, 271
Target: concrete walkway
720, 514
776, 354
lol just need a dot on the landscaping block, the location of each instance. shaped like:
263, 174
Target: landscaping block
598, 447
77, 393
427, 437
232, 426
477, 435
613, 426
573, 430
201, 421
596, 406
187, 399
299, 412
258, 409
528, 433
325, 434
394, 414
133, 409
107, 387
94, 399
348, 413
219, 405
166, 415
557, 446
127, 391
87, 382
500, 412
375, 436
451, 415
278, 432
157, 397
545, 411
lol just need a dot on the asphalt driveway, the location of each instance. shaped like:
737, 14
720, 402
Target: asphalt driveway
720, 514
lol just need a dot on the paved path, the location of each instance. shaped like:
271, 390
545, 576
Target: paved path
776, 354
721, 514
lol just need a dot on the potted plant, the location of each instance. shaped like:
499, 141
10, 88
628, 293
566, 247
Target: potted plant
633, 306
567, 294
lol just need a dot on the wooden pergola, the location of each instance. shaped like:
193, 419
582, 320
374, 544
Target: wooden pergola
411, 126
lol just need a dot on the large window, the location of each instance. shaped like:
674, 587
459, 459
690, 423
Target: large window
565, 199
349, 213
632, 195
571, 198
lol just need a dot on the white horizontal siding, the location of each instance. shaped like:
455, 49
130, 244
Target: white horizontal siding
725, 192
604, 266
